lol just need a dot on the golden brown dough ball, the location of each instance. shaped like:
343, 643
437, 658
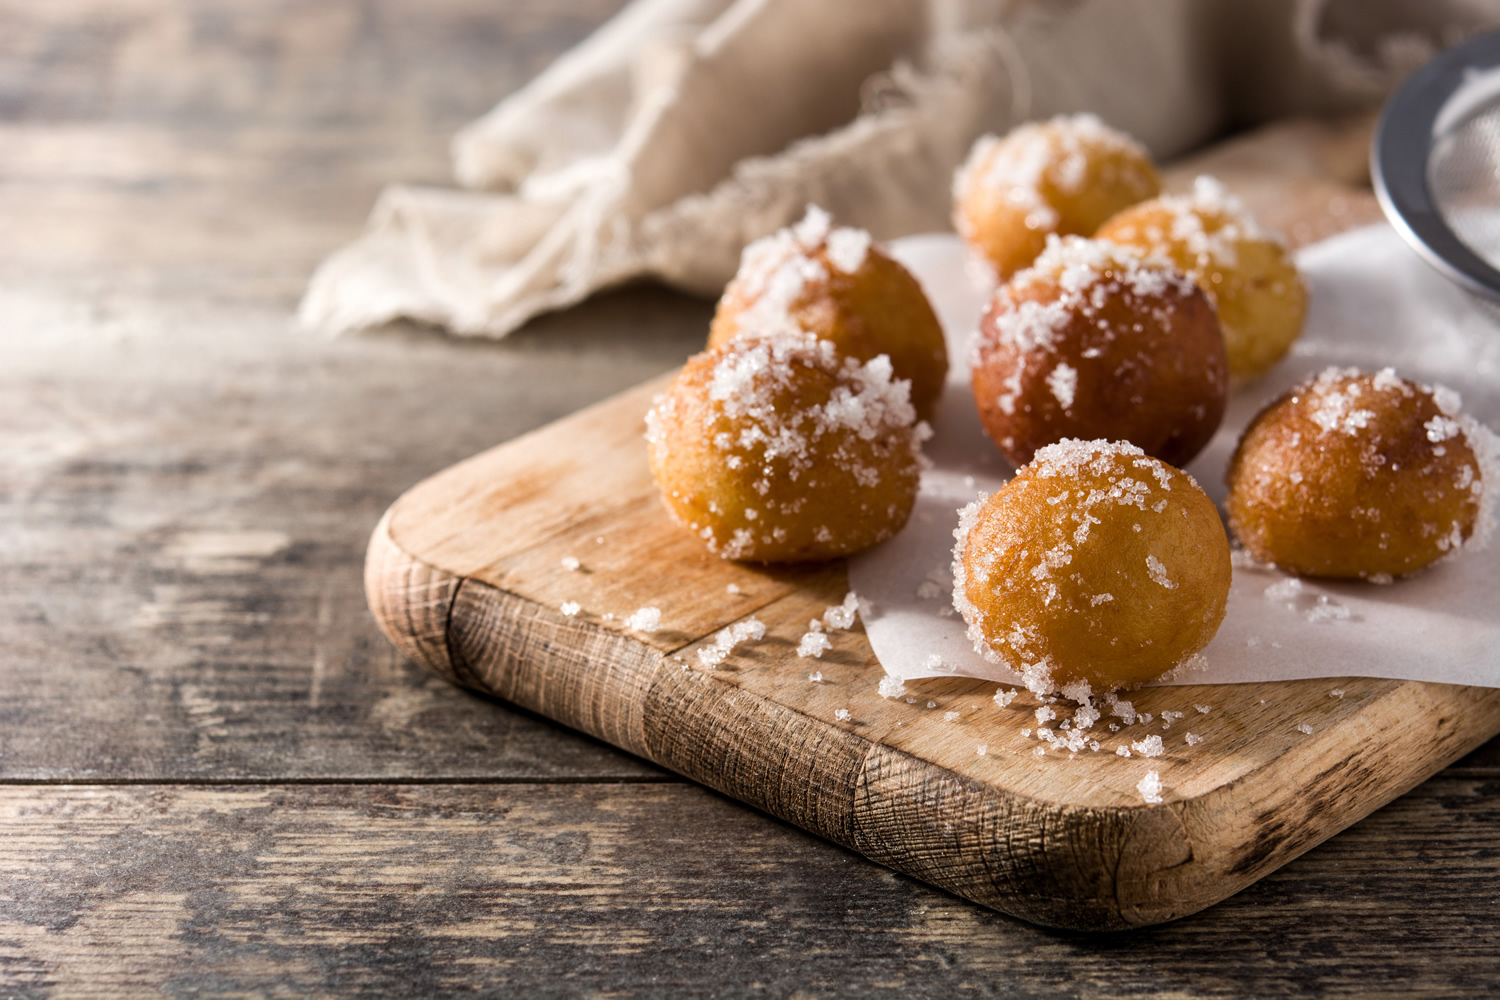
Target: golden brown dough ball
1065, 176
1095, 563
1243, 268
1357, 475
778, 449
831, 281
1096, 340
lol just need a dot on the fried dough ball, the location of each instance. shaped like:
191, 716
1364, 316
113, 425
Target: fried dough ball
1243, 268
777, 449
1097, 340
1096, 563
831, 281
1352, 475
1065, 176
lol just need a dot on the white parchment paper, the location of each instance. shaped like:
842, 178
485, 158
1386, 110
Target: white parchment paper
1373, 303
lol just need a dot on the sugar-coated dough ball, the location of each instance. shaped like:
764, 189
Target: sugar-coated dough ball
778, 449
1097, 340
830, 280
1096, 563
1352, 475
1065, 176
1243, 268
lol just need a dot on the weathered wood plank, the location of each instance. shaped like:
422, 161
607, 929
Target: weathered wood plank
187, 481
670, 890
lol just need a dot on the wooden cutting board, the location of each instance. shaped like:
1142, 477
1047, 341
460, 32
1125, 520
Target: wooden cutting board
466, 575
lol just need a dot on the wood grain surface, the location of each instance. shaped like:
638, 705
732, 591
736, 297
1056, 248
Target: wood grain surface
583, 890
217, 778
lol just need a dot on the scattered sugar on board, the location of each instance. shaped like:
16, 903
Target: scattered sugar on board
982, 749
816, 677
1122, 751
1193, 739
1150, 788
1336, 693
1121, 708
751, 629
647, 619
1304, 728
1004, 698
932, 704
1148, 747
571, 563
733, 588
950, 716
813, 644
570, 608
842, 714
841, 616
891, 686
1204, 709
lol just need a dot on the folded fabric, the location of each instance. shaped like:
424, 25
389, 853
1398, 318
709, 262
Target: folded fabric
684, 129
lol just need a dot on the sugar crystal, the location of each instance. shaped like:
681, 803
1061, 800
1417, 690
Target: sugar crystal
1148, 747
571, 563
570, 608
1150, 788
842, 616
646, 619
813, 644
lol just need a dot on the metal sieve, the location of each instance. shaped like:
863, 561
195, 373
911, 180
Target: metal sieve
1435, 163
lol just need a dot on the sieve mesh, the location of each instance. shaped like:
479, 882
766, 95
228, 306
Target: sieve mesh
1463, 176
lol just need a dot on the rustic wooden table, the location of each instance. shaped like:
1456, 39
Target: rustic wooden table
217, 777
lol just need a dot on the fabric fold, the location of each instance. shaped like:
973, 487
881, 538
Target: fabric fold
684, 129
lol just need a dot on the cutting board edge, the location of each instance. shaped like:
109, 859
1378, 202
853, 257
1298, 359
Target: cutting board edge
1155, 863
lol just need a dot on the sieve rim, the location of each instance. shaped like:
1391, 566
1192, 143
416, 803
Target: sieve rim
1407, 124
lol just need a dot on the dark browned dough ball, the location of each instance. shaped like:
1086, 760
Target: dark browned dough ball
1100, 341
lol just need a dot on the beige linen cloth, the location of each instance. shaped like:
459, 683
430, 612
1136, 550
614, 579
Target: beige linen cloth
683, 129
